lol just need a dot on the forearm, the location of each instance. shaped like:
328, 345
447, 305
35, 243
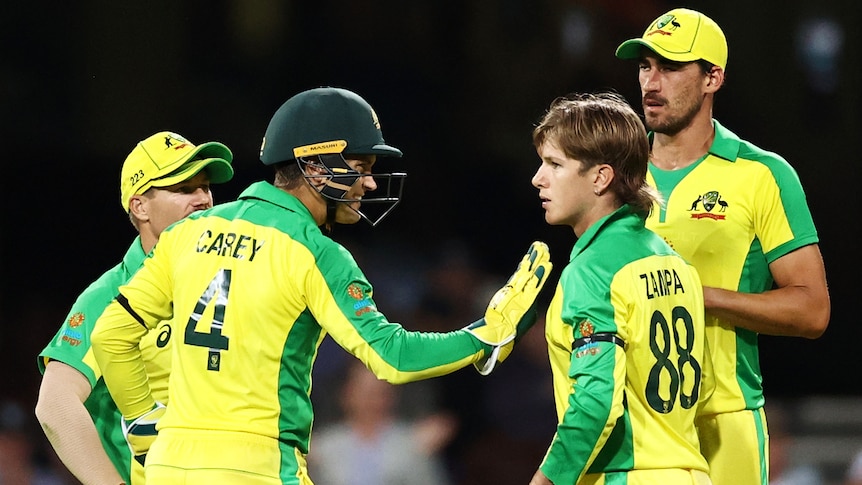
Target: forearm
73, 436
794, 311
69, 427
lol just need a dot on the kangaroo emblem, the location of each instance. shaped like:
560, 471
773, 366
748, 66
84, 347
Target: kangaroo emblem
708, 201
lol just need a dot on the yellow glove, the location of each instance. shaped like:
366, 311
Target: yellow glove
508, 315
524, 325
141, 431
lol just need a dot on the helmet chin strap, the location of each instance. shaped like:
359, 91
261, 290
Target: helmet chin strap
331, 207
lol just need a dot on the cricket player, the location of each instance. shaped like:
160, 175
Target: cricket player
164, 179
625, 328
739, 214
255, 285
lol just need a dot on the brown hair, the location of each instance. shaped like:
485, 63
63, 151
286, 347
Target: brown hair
602, 128
287, 175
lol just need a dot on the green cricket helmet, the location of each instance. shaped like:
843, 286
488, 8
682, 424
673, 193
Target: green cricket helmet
328, 123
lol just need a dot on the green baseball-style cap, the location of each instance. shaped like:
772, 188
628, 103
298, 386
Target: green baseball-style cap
324, 120
681, 35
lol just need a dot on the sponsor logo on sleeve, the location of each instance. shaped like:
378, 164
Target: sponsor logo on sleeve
363, 302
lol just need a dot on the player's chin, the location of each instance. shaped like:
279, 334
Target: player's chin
551, 219
653, 119
348, 214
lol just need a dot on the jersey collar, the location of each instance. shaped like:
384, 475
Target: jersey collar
726, 143
267, 192
134, 257
625, 213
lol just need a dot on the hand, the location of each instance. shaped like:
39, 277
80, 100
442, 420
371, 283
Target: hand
511, 311
141, 431
524, 325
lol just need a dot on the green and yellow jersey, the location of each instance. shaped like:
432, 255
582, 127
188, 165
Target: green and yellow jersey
731, 214
625, 332
71, 346
253, 287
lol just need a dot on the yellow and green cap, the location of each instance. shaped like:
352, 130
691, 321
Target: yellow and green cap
681, 35
166, 158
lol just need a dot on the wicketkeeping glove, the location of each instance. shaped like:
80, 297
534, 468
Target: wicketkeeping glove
510, 312
141, 431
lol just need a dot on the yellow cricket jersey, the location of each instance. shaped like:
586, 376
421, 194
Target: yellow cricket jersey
730, 215
253, 287
625, 334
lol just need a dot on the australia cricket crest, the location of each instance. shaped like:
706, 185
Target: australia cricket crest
708, 201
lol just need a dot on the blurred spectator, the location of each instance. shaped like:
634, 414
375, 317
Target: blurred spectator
521, 419
19, 460
820, 43
373, 445
456, 289
784, 467
854, 471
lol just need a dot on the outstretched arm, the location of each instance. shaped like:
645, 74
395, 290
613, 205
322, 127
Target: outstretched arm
799, 306
69, 427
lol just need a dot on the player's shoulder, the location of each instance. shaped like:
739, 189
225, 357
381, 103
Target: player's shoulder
72, 339
100, 292
735, 148
330, 252
753, 152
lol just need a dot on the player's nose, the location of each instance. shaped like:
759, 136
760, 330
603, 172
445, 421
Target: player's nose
369, 183
203, 198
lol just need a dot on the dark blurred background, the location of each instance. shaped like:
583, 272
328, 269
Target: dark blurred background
457, 86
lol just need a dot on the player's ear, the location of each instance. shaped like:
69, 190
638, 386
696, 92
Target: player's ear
714, 79
138, 208
604, 177
314, 168
315, 172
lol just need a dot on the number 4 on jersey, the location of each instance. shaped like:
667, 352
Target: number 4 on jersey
216, 293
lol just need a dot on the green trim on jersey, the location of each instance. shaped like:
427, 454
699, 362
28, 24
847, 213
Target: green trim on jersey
254, 287
631, 408
731, 214
668, 179
71, 346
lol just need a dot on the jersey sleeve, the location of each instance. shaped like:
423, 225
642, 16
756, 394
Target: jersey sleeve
346, 310
595, 404
784, 221
141, 304
71, 344
594, 374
